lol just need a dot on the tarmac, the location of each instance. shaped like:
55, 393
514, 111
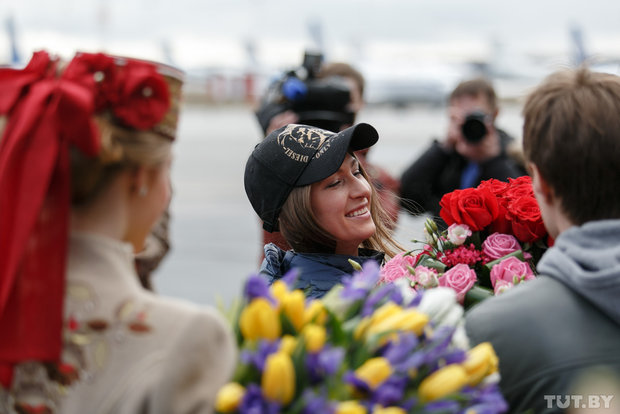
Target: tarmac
215, 234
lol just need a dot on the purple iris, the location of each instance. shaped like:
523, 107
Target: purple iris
398, 351
259, 356
254, 403
443, 407
387, 292
324, 363
438, 347
315, 403
417, 299
291, 277
486, 400
257, 287
390, 392
357, 286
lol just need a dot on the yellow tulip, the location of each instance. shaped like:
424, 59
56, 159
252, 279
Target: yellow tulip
350, 407
388, 410
278, 381
229, 397
384, 312
279, 289
442, 382
409, 320
288, 344
259, 320
481, 361
315, 337
374, 371
293, 305
387, 310
315, 313
361, 328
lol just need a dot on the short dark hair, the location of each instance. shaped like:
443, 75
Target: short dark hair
476, 87
344, 70
571, 133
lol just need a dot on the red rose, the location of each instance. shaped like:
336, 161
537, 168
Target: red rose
497, 187
96, 71
527, 223
519, 188
143, 96
476, 207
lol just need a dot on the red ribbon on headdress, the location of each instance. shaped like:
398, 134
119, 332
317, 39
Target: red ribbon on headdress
46, 115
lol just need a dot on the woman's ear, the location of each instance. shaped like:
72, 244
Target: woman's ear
139, 182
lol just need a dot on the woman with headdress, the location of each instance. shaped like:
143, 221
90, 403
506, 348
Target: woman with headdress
84, 174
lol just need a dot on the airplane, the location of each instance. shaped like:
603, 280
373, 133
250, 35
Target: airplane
15, 57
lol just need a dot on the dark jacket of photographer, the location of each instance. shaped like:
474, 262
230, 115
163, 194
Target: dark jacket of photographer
319, 272
437, 172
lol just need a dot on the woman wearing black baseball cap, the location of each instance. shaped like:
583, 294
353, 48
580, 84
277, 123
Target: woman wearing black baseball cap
305, 182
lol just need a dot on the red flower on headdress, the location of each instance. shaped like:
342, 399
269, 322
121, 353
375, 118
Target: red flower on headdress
97, 71
143, 96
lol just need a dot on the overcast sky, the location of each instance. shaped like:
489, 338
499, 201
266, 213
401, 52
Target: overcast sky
216, 32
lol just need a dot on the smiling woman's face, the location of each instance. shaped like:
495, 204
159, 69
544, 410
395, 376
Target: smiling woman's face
341, 204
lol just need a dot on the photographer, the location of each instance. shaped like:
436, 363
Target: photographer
474, 150
329, 96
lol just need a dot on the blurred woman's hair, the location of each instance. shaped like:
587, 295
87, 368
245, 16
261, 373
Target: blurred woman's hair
121, 149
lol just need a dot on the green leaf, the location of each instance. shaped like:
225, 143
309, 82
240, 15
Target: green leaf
428, 261
476, 295
518, 254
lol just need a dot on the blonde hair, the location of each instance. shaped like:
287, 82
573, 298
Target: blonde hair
300, 228
120, 149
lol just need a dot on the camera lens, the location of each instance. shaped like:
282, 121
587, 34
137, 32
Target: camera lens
474, 128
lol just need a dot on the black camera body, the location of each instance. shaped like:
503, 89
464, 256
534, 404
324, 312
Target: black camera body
317, 102
474, 127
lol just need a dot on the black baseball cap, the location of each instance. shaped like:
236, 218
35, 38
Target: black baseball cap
295, 156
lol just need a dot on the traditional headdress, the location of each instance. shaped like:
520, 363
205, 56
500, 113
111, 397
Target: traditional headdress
47, 108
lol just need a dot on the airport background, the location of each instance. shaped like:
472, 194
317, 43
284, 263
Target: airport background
411, 52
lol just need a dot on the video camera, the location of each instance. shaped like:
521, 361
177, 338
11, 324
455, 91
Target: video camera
317, 102
474, 127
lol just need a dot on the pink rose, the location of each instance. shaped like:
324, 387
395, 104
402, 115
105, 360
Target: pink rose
396, 268
501, 286
499, 245
461, 278
458, 233
511, 270
425, 278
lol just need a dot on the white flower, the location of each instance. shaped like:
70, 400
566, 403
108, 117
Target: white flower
425, 277
443, 310
458, 233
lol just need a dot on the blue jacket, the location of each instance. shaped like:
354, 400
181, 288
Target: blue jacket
319, 272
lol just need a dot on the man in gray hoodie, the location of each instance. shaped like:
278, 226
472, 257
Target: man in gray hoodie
554, 331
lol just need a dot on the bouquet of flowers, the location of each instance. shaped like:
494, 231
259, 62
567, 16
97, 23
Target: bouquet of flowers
363, 348
494, 239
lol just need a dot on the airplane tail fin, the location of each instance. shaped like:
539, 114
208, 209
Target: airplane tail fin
578, 50
12, 35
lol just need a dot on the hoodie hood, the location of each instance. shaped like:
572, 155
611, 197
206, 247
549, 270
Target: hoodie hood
587, 260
